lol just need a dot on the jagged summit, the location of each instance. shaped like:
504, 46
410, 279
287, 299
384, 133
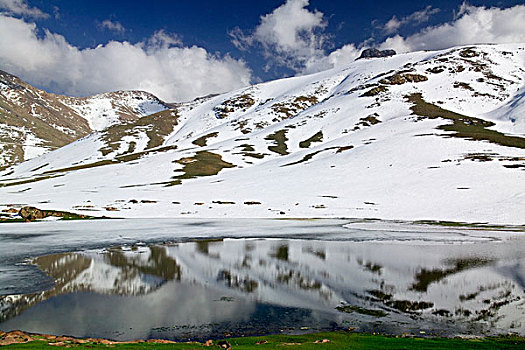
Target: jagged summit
425, 135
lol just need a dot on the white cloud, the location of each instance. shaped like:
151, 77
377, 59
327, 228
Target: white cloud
290, 35
162, 39
155, 65
240, 40
392, 25
112, 26
414, 18
472, 25
56, 12
337, 58
20, 8
422, 15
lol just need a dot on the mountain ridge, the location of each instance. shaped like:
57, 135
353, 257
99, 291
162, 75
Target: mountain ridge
33, 121
425, 135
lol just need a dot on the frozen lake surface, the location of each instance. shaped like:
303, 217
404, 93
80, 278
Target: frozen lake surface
195, 279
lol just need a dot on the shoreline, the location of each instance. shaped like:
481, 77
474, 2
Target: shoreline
327, 340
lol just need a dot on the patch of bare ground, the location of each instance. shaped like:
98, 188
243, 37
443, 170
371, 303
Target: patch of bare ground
238, 103
203, 140
462, 126
291, 108
203, 163
279, 138
157, 127
317, 137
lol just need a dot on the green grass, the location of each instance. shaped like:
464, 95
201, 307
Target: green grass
157, 126
119, 159
463, 126
337, 340
203, 163
318, 137
201, 141
253, 155
27, 181
280, 139
367, 121
247, 148
249, 151
478, 226
310, 156
7, 220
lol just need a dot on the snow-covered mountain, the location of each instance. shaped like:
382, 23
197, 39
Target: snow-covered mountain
33, 121
425, 135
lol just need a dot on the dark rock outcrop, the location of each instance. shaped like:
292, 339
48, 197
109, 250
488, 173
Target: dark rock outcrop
375, 91
371, 53
223, 344
32, 213
399, 79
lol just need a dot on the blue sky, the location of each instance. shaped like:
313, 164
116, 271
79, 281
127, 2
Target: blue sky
231, 43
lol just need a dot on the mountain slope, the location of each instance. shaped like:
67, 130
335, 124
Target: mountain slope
425, 135
33, 121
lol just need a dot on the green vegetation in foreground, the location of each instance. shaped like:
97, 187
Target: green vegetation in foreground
336, 340
463, 126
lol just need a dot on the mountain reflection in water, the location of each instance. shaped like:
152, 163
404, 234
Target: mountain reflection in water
206, 288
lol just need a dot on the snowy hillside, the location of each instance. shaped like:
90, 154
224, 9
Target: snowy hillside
425, 135
104, 110
33, 121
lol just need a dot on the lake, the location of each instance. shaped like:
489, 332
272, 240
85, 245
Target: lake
201, 279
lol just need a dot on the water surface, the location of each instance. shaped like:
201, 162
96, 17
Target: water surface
124, 283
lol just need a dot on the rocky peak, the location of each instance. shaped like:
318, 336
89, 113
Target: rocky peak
372, 53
